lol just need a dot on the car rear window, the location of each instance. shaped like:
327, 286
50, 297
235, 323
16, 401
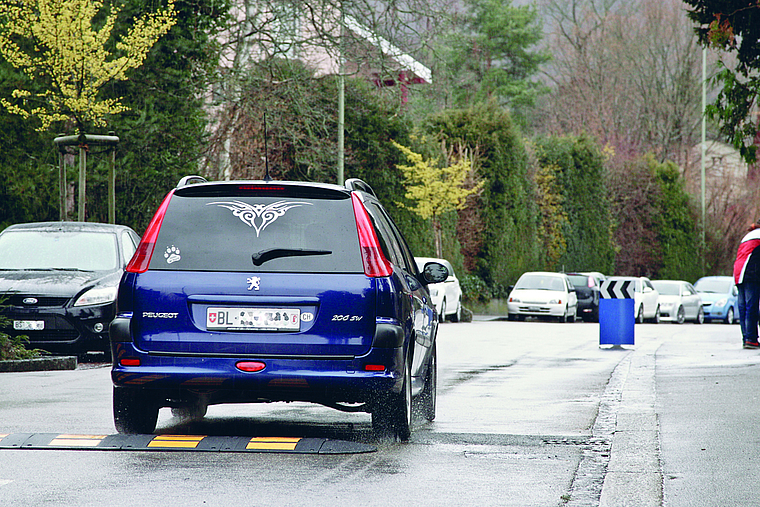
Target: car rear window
258, 233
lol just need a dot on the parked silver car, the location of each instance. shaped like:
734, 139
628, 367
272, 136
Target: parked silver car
679, 301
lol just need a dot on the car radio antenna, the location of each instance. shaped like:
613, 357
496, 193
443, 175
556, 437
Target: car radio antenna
267, 177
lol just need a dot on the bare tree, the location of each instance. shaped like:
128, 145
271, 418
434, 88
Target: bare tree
381, 40
627, 72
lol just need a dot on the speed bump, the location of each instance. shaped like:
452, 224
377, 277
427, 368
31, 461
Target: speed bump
207, 443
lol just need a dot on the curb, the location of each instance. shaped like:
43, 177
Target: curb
39, 364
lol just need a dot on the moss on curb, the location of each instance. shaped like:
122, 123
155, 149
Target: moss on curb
39, 364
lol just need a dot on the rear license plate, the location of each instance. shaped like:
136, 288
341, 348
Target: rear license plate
253, 319
28, 325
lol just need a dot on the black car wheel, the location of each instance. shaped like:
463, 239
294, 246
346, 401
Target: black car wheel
640, 315
428, 394
133, 412
392, 415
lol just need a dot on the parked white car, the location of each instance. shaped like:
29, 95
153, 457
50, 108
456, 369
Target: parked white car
447, 296
645, 297
679, 301
543, 294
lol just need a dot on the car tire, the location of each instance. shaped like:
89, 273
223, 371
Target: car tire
656, 319
700, 317
729, 315
680, 315
392, 414
640, 315
457, 316
442, 316
133, 411
428, 395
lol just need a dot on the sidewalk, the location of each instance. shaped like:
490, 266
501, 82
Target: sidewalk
687, 421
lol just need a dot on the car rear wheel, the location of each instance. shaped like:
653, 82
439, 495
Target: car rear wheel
700, 316
640, 315
392, 415
428, 394
442, 316
133, 411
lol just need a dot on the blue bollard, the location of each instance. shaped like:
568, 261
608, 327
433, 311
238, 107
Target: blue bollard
616, 321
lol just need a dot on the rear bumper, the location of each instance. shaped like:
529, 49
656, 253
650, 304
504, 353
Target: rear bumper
315, 379
282, 378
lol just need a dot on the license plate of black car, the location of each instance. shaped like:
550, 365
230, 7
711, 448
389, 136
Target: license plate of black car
253, 319
29, 325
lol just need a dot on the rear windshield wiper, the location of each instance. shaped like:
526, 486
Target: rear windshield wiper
263, 256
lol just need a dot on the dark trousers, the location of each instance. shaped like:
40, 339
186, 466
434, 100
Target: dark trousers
749, 299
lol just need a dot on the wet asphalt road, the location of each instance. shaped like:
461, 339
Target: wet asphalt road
529, 414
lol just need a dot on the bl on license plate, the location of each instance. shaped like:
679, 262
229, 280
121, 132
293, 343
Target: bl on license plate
271, 319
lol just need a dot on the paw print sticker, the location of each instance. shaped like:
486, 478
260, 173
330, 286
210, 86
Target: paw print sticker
172, 254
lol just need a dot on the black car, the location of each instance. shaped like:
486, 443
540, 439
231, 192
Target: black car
587, 287
270, 291
58, 282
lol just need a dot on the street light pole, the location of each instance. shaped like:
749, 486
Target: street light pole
341, 102
704, 145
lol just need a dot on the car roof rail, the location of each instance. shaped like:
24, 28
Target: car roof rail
359, 185
191, 180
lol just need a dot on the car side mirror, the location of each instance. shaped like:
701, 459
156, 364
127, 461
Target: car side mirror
434, 272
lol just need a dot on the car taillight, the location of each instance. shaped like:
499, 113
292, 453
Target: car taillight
375, 263
141, 259
250, 366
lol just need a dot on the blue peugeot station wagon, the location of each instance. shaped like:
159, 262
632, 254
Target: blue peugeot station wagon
265, 291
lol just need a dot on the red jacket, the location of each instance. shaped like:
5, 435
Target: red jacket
747, 265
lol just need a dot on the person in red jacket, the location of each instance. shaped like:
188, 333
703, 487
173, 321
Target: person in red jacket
747, 278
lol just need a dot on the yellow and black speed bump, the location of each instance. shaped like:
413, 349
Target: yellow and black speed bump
205, 443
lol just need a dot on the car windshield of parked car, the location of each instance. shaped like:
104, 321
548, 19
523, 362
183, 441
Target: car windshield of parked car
540, 282
57, 250
667, 289
716, 286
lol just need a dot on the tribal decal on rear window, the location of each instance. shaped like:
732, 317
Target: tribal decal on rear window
259, 216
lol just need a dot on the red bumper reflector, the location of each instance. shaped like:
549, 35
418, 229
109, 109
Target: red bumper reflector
129, 361
250, 366
374, 367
